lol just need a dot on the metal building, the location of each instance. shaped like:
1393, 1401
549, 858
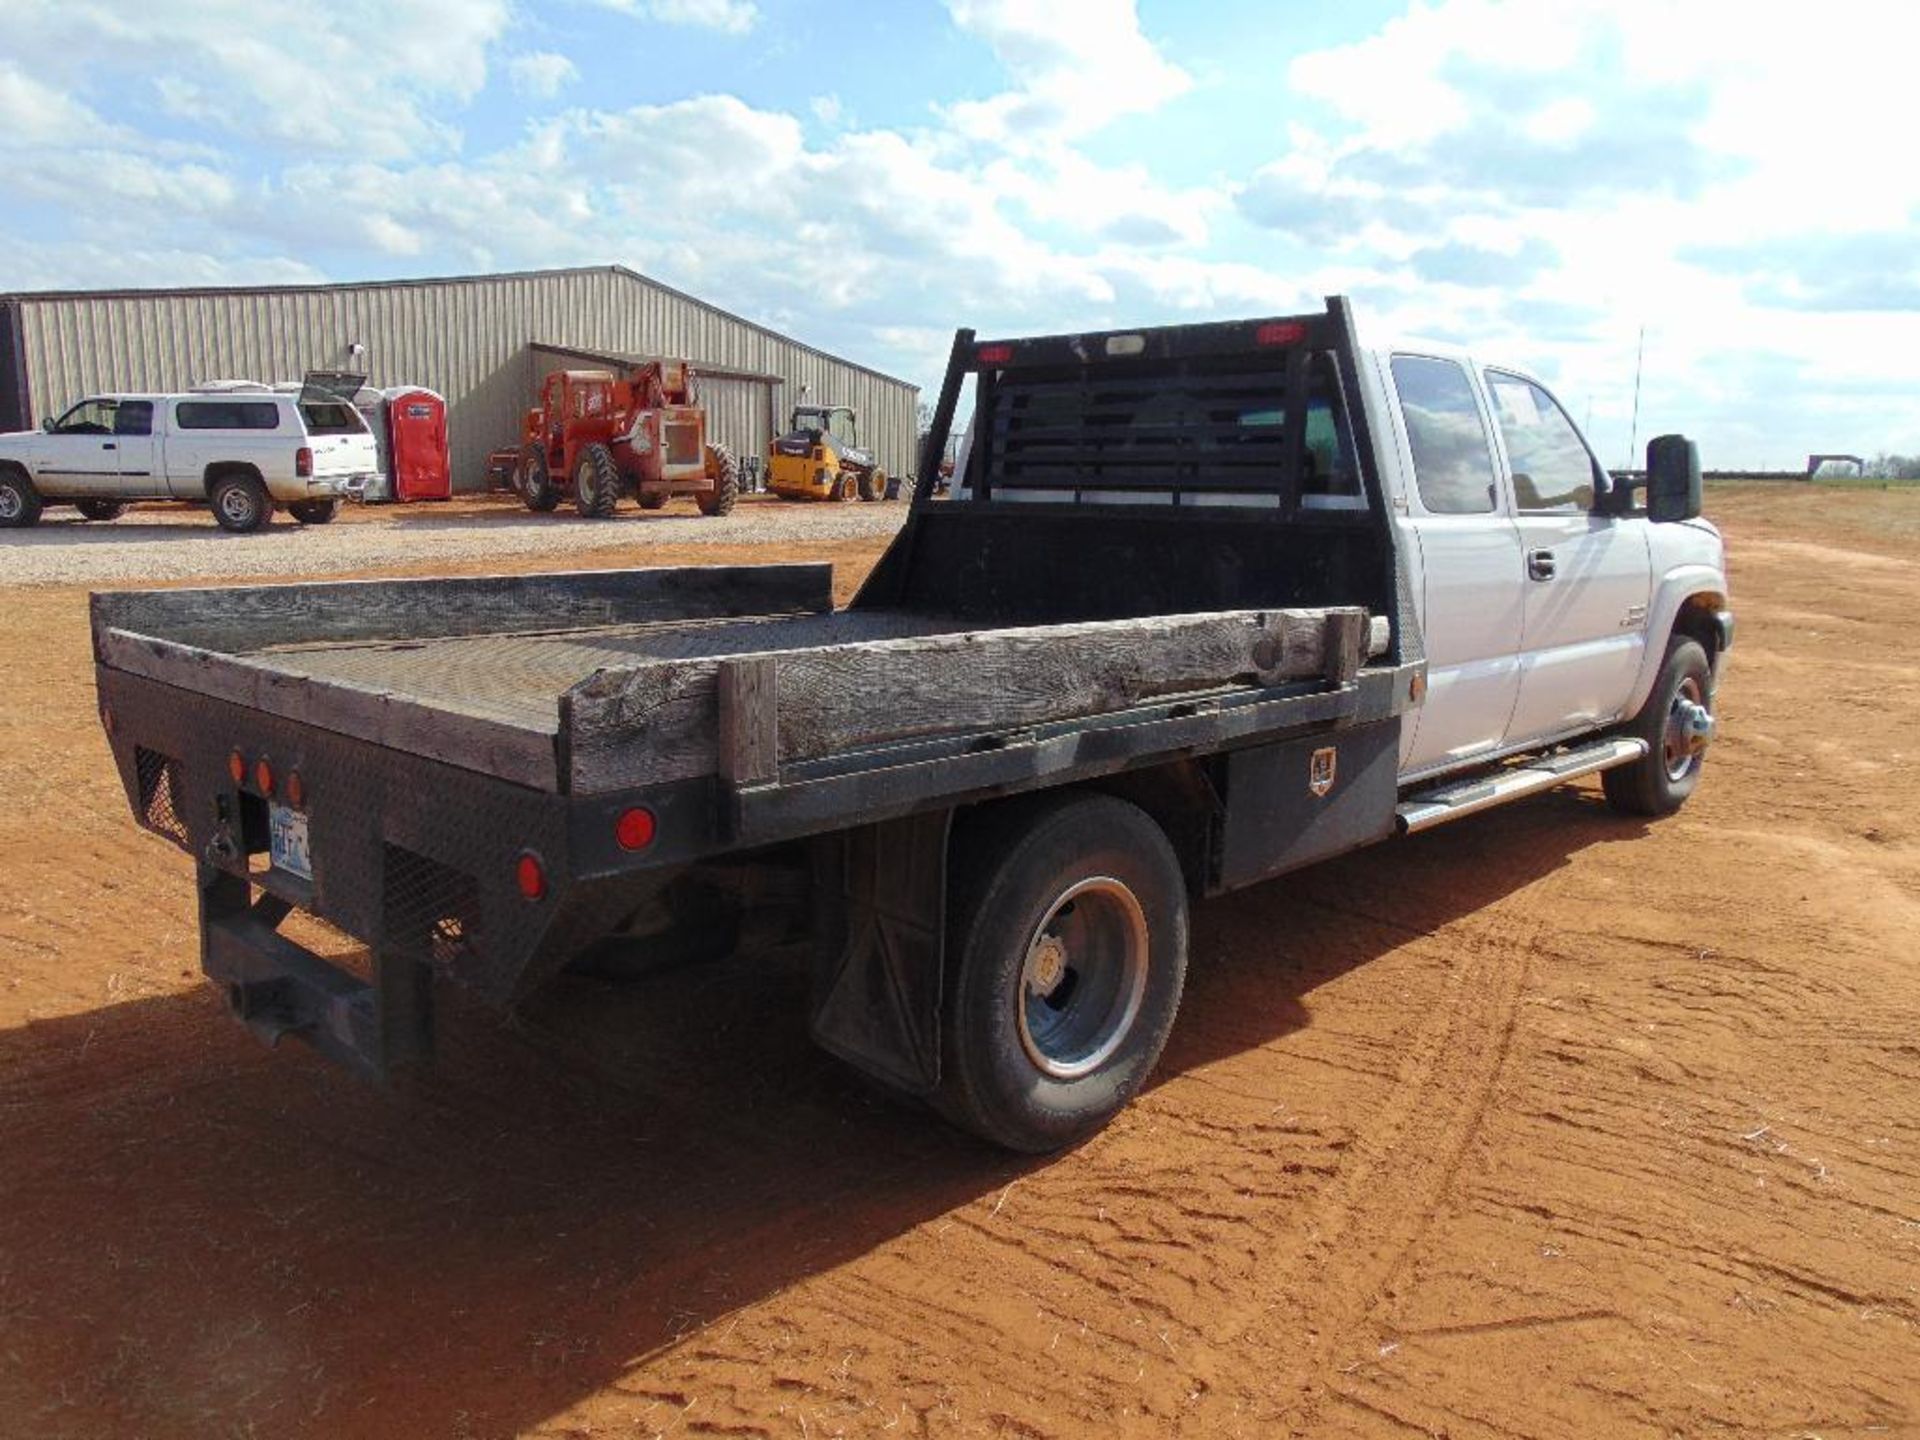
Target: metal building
482, 341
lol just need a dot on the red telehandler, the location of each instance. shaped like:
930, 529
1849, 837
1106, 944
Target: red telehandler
598, 435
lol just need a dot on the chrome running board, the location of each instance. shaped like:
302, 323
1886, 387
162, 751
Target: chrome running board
1428, 808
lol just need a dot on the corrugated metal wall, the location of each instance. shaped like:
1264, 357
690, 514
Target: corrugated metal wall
468, 339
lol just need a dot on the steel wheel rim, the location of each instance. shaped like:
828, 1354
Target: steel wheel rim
1680, 748
236, 505
12, 506
1083, 978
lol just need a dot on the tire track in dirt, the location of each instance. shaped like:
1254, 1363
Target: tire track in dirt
1372, 1212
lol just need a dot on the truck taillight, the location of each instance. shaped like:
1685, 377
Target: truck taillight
1281, 332
303, 462
995, 354
635, 828
530, 875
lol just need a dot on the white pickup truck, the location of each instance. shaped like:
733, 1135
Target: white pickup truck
241, 452
1210, 603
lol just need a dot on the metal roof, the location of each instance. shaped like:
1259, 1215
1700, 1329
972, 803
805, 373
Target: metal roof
321, 287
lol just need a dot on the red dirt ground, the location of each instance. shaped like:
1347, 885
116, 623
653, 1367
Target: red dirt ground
1547, 1123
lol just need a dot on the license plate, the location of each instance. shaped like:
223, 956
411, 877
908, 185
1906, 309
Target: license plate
287, 841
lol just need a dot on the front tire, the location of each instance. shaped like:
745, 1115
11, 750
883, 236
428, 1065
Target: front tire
240, 503
596, 482
1066, 963
1661, 780
314, 512
724, 471
873, 484
20, 502
100, 509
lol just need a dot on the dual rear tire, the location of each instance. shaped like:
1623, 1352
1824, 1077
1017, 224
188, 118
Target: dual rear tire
1065, 964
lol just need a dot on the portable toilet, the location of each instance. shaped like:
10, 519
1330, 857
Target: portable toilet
417, 462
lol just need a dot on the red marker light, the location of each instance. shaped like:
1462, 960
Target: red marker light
237, 767
995, 354
263, 776
531, 875
1281, 332
634, 829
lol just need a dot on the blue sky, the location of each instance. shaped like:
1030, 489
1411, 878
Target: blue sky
1537, 180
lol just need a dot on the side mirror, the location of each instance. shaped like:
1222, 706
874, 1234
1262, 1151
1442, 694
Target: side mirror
47, 424
1673, 478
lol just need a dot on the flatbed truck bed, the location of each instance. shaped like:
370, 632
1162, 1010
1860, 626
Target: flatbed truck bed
481, 778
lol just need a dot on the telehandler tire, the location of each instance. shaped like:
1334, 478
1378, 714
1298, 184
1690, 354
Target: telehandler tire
724, 471
596, 482
535, 484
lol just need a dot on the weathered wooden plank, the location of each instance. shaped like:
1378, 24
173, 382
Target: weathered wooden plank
1345, 644
252, 617
655, 722
442, 731
749, 738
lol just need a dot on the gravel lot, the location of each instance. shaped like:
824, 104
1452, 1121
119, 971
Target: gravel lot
173, 542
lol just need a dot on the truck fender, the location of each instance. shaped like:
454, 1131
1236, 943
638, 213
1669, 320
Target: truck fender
1693, 600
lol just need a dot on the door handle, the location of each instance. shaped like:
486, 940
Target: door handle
108, 445
1540, 564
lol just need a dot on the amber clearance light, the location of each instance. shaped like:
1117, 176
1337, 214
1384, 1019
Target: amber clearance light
237, 766
263, 776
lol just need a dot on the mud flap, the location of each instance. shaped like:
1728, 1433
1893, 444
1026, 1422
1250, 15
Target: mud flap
877, 968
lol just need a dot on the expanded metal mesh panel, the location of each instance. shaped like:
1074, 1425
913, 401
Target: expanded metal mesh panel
1192, 422
160, 794
430, 910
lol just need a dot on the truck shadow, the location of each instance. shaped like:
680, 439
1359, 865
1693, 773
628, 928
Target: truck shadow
196, 1237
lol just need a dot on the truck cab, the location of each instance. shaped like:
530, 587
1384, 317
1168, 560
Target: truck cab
1546, 593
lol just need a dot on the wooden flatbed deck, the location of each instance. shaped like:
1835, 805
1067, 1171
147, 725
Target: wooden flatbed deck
592, 683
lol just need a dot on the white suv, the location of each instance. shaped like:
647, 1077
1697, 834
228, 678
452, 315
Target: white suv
240, 451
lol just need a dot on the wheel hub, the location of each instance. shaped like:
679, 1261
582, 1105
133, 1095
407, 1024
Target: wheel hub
1046, 965
9, 503
1082, 978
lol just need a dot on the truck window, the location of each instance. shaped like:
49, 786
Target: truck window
227, 415
1552, 469
331, 417
135, 417
1332, 480
1452, 459
89, 417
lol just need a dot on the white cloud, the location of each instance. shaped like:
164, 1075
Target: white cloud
541, 73
1077, 65
361, 75
732, 17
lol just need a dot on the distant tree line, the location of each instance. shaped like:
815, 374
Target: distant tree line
1894, 467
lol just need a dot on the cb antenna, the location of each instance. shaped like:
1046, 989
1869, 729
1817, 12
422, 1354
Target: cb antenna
1633, 435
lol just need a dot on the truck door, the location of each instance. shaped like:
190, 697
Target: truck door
141, 473
1469, 552
80, 452
1589, 574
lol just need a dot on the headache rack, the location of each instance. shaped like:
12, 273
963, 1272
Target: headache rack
1253, 413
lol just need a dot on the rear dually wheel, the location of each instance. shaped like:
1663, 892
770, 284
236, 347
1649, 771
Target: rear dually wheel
1065, 967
